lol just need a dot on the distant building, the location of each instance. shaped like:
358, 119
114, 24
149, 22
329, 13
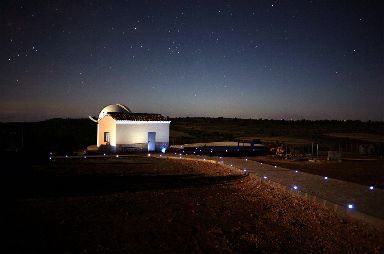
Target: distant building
119, 130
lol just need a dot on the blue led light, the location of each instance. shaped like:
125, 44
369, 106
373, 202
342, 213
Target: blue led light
163, 150
350, 206
295, 187
371, 187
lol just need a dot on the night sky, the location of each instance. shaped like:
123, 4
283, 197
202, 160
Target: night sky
245, 59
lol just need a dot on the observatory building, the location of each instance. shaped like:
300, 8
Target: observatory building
120, 130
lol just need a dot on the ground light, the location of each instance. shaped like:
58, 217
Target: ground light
117, 156
149, 155
163, 150
275, 166
325, 177
295, 187
296, 171
265, 177
371, 187
350, 206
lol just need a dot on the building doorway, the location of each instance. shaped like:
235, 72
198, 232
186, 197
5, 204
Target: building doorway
151, 141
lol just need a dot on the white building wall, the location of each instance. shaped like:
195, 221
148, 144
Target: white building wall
130, 132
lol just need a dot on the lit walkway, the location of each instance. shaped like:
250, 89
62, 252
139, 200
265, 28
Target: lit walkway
358, 200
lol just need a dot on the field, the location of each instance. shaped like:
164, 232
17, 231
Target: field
139, 204
368, 172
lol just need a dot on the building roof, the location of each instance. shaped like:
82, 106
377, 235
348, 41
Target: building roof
114, 108
121, 116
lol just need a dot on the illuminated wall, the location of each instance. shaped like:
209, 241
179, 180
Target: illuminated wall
134, 132
106, 124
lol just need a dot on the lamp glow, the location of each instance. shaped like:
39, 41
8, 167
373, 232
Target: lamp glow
265, 177
326, 177
350, 206
149, 155
371, 187
295, 187
163, 150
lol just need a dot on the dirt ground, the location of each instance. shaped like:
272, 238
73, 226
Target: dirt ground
136, 205
367, 172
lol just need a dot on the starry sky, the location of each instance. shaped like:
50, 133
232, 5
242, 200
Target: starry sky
245, 59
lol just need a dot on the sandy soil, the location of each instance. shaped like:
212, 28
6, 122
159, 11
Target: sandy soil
140, 205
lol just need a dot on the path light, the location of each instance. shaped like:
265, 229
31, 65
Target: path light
50, 158
104, 154
246, 159
226, 150
325, 177
295, 187
66, 156
160, 155
149, 155
194, 152
265, 177
85, 156
296, 171
371, 187
117, 156
275, 166
261, 163
204, 158
350, 206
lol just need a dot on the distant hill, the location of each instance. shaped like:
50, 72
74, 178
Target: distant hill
65, 136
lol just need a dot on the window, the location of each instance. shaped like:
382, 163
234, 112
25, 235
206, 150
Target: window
107, 137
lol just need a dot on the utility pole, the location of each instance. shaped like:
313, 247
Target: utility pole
317, 150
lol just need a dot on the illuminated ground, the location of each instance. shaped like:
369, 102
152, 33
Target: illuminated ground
150, 205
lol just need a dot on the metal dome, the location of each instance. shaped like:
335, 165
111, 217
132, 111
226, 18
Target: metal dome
114, 108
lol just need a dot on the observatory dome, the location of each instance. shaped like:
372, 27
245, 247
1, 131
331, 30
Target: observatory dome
119, 108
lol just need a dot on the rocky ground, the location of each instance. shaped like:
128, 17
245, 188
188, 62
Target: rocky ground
128, 205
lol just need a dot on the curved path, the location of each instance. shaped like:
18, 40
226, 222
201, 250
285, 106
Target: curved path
360, 201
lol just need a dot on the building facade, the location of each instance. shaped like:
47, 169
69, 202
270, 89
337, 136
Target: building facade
120, 130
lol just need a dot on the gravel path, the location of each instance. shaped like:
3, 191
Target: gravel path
367, 204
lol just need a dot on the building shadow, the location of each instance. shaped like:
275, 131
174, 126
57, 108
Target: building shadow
104, 184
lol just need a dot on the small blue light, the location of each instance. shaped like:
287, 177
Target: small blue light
295, 187
371, 187
350, 206
163, 150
